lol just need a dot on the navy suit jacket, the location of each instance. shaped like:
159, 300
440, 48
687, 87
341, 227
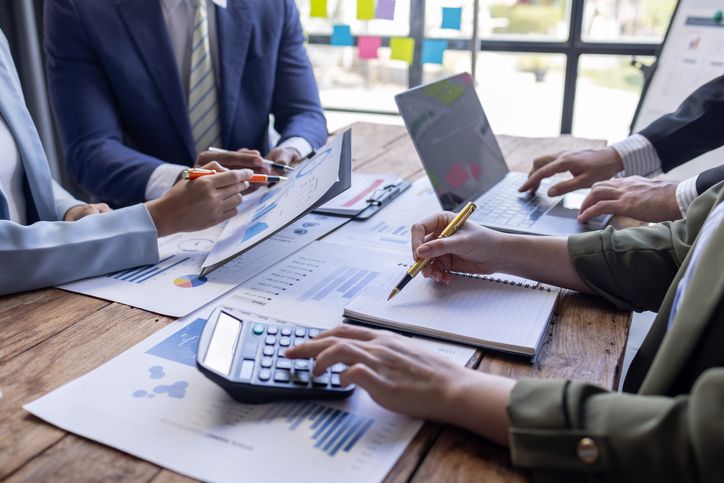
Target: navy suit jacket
119, 99
695, 128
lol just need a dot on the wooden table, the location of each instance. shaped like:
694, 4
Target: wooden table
50, 337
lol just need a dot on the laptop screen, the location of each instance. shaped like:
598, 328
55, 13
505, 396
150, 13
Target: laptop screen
453, 139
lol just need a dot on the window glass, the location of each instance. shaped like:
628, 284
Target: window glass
345, 12
522, 94
626, 20
607, 93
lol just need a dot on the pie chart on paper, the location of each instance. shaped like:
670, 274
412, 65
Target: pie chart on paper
189, 281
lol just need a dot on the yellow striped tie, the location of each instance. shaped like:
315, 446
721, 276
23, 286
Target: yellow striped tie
203, 102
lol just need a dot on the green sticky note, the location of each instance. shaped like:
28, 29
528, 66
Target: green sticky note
403, 48
318, 8
365, 9
718, 16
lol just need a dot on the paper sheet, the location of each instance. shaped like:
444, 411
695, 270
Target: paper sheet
280, 204
153, 403
173, 287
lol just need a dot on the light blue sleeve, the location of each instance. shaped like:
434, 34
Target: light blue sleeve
54, 252
63, 200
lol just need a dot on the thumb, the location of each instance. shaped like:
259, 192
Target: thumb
440, 247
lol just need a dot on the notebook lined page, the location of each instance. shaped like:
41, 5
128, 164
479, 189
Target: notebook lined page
480, 312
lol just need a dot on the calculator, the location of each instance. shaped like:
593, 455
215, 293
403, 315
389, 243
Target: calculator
246, 358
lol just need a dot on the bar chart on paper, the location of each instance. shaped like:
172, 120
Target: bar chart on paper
315, 284
389, 230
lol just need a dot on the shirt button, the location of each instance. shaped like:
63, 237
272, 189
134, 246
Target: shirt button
587, 451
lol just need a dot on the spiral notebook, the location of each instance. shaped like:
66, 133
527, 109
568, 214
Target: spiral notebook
495, 312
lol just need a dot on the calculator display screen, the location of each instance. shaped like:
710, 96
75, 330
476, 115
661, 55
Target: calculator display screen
220, 354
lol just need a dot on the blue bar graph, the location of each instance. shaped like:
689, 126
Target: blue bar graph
145, 272
332, 430
347, 281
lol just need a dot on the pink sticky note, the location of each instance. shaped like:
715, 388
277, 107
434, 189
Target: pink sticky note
368, 46
385, 9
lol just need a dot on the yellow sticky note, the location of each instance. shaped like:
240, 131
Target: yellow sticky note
319, 8
365, 9
403, 48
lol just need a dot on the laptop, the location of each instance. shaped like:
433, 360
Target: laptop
464, 163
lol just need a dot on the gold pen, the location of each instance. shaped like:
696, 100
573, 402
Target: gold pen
449, 230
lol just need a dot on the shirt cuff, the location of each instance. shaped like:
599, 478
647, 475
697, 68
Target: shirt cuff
162, 180
638, 156
685, 194
300, 144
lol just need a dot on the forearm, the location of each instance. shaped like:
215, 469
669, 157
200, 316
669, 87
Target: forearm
478, 403
545, 259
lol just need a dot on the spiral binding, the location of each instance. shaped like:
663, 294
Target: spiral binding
500, 280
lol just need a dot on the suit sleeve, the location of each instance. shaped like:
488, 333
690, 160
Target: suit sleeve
635, 437
87, 114
55, 252
693, 129
296, 106
633, 268
709, 178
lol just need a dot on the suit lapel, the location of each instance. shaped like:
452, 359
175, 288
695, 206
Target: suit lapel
234, 31
704, 291
30, 150
144, 21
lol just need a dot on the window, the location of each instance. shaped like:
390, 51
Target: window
542, 67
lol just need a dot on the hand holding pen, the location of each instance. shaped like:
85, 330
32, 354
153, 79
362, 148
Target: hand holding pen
254, 157
432, 230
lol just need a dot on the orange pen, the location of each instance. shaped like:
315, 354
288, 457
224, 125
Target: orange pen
193, 173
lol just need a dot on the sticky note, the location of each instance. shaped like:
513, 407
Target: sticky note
432, 51
385, 9
365, 9
368, 46
341, 35
403, 48
452, 17
318, 8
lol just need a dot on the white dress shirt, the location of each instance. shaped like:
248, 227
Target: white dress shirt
179, 18
640, 158
11, 175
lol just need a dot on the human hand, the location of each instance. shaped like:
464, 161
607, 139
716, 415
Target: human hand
587, 166
81, 211
636, 197
397, 373
473, 249
200, 203
284, 155
241, 159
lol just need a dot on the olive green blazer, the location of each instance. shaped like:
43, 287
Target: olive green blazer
669, 425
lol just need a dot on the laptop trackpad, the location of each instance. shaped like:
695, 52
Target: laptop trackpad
568, 207
560, 210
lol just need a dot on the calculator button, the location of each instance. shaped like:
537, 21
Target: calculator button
301, 378
301, 365
266, 362
313, 333
258, 329
286, 331
268, 351
335, 380
272, 330
322, 380
270, 340
247, 369
300, 332
285, 341
282, 376
264, 374
339, 367
284, 364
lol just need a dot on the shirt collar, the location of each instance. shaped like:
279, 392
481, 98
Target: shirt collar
170, 5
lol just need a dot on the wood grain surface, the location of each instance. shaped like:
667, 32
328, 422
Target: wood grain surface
50, 337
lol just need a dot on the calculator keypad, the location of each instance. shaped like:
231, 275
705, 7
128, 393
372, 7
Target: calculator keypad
276, 370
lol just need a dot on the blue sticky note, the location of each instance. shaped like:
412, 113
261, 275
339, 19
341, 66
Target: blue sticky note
432, 51
341, 35
452, 17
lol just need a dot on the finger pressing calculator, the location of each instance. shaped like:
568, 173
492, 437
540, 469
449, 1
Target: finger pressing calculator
246, 358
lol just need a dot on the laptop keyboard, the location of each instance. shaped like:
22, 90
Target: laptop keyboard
503, 205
